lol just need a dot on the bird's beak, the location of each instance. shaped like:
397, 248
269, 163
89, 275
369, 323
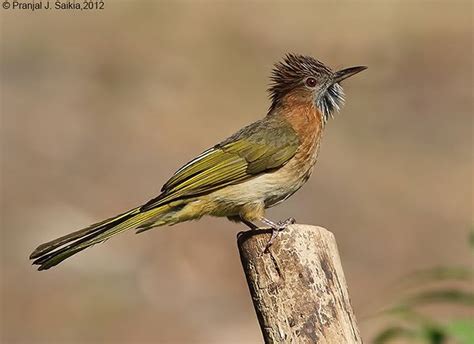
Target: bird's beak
347, 72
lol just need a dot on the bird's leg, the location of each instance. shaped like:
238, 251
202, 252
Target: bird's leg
249, 224
276, 228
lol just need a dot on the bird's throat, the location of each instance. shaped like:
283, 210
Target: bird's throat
305, 118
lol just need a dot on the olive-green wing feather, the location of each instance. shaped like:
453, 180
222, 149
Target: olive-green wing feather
262, 146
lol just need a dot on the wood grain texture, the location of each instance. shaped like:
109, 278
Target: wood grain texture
298, 288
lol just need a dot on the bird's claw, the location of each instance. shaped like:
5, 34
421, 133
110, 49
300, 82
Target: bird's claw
285, 223
280, 226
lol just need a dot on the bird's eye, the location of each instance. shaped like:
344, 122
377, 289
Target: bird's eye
311, 82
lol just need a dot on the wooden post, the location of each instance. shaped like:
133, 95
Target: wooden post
298, 288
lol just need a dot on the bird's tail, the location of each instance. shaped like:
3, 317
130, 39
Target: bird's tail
54, 252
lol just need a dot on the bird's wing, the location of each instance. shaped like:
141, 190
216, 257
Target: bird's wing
262, 146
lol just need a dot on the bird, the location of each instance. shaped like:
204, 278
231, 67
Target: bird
258, 167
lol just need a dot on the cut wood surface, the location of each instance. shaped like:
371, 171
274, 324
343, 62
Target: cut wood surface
298, 288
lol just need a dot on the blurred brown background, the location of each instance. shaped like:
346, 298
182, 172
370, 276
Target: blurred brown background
99, 108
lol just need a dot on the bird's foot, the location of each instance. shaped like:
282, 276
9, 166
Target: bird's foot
249, 224
276, 229
287, 222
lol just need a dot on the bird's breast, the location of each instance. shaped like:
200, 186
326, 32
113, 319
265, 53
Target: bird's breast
274, 187
291, 177
270, 188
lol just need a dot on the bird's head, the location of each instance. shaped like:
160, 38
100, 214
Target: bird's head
309, 81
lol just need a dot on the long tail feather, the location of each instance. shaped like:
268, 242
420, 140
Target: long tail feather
54, 252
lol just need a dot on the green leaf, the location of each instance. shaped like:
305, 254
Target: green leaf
461, 330
453, 296
433, 334
471, 237
440, 273
395, 332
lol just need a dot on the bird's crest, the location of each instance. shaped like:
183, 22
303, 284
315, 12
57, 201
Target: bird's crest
292, 71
